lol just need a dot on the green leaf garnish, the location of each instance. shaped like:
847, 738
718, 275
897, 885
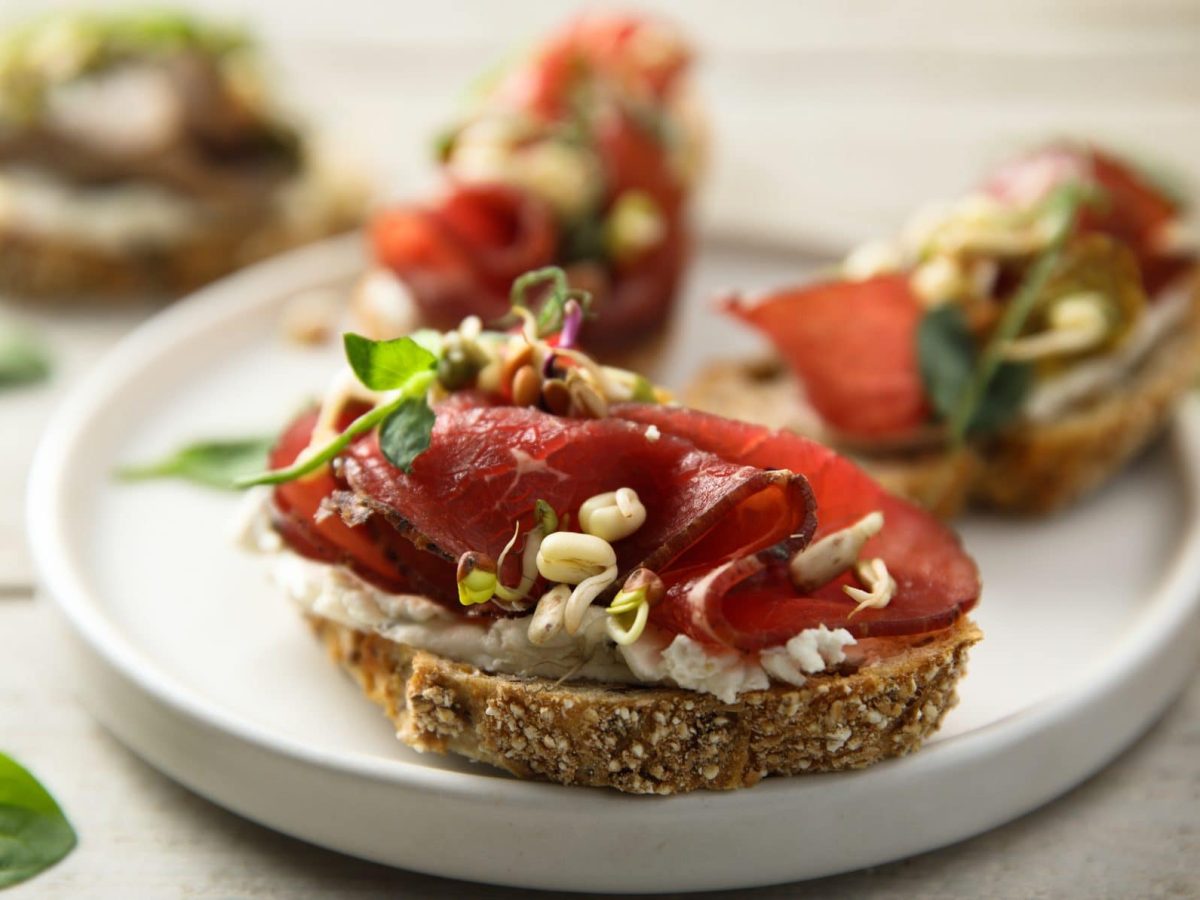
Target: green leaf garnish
23, 357
405, 434
948, 358
401, 365
1061, 206
386, 365
215, 464
34, 833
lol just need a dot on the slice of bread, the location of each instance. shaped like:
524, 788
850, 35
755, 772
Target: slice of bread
1033, 468
659, 740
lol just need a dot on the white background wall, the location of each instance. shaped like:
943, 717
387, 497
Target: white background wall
831, 119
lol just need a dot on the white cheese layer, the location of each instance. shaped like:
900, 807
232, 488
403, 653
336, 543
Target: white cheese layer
503, 645
135, 214
112, 218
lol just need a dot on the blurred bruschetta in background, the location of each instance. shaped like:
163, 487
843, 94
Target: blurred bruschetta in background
1014, 348
143, 153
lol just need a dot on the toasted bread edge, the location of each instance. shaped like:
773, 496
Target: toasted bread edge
657, 740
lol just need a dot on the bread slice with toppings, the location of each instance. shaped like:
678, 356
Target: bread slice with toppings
718, 602
213, 172
1036, 467
661, 740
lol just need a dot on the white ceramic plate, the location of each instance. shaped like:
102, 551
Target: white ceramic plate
189, 656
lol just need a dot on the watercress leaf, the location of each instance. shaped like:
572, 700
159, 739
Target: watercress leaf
386, 365
1003, 398
946, 355
405, 434
34, 833
23, 357
218, 464
948, 360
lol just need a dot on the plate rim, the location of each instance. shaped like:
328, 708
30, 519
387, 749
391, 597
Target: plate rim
1176, 599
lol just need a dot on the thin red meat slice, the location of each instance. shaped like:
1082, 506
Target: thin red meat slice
726, 504
754, 605
460, 256
372, 549
1134, 210
591, 46
853, 345
487, 466
610, 43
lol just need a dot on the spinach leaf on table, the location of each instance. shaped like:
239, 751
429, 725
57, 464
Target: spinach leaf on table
34, 833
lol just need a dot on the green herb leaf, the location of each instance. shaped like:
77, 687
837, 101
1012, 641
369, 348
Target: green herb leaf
946, 354
405, 434
23, 358
386, 365
216, 464
948, 359
34, 833
416, 386
1003, 399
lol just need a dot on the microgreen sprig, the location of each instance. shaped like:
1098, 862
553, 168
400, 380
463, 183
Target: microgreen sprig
553, 312
1061, 207
402, 366
212, 463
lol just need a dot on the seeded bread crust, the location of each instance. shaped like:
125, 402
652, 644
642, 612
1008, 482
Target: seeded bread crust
49, 268
657, 740
1032, 469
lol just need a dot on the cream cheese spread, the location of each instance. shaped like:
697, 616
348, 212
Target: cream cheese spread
503, 645
114, 217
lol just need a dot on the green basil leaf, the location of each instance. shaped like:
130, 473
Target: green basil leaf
949, 361
23, 358
946, 355
386, 365
405, 434
217, 464
34, 833
1002, 400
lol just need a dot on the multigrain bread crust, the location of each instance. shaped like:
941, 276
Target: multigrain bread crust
657, 740
44, 268
1033, 469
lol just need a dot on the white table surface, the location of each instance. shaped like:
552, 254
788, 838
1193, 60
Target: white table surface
856, 111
